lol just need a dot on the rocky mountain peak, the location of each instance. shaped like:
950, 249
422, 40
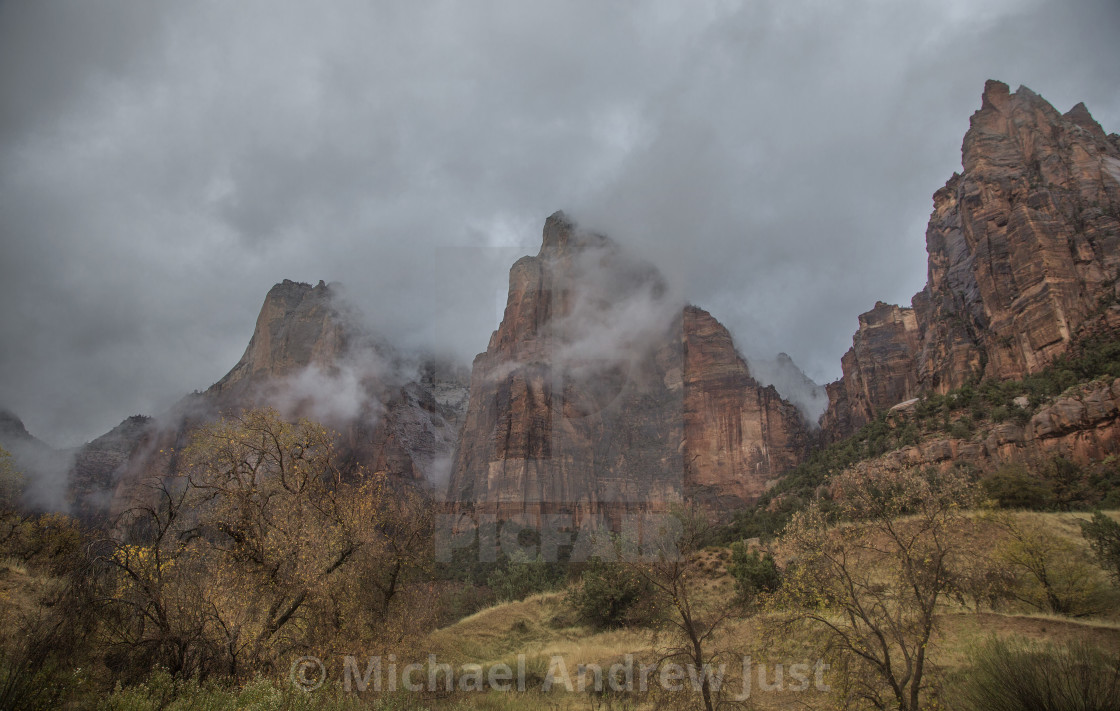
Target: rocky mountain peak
1024, 252
600, 393
562, 237
310, 355
995, 97
1080, 116
12, 427
298, 325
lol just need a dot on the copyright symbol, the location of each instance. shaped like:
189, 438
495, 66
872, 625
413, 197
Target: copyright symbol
303, 673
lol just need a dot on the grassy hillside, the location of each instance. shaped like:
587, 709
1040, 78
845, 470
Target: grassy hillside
538, 633
542, 626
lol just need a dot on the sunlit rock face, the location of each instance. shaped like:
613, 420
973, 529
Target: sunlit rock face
1024, 247
600, 394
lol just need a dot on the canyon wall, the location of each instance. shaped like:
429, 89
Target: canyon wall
1024, 248
599, 394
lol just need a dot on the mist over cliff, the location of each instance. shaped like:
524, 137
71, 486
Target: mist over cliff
163, 165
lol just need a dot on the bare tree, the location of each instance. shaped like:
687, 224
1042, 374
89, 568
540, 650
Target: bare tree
257, 548
695, 621
152, 594
1051, 573
872, 583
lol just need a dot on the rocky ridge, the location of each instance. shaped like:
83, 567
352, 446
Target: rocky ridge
1024, 251
1082, 425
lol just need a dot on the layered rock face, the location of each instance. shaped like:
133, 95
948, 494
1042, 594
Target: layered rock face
878, 368
1023, 254
598, 395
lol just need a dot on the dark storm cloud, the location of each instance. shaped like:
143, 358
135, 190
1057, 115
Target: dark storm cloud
162, 165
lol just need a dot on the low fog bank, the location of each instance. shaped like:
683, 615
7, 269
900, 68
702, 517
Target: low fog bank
44, 472
793, 385
620, 308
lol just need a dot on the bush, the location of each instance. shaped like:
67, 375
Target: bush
961, 429
1013, 487
1068, 481
522, 577
610, 595
1010, 675
1103, 535
754, 572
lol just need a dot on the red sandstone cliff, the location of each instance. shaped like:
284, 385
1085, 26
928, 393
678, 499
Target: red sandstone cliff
599, 395
1024, 248
738, 435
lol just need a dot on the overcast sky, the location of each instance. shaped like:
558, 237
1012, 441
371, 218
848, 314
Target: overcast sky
163, 164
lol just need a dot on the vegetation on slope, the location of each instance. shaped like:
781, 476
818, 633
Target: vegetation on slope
960, 413
203, 596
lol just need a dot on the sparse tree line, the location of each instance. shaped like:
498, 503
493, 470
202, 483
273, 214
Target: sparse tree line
871, 574
261, 548
264, 549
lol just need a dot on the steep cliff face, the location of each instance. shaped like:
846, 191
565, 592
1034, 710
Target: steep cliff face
576, 406
599, 395
1023, 244
738, 435
878, 368
1023, 254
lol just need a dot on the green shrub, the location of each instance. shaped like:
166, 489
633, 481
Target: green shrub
754, 572
1013, 487
610, 595
522, 577
1007, 675
1103, 535
961, 429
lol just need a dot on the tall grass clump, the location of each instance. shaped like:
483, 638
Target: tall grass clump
1007, 675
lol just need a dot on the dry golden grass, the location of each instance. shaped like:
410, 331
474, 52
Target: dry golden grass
541, 626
